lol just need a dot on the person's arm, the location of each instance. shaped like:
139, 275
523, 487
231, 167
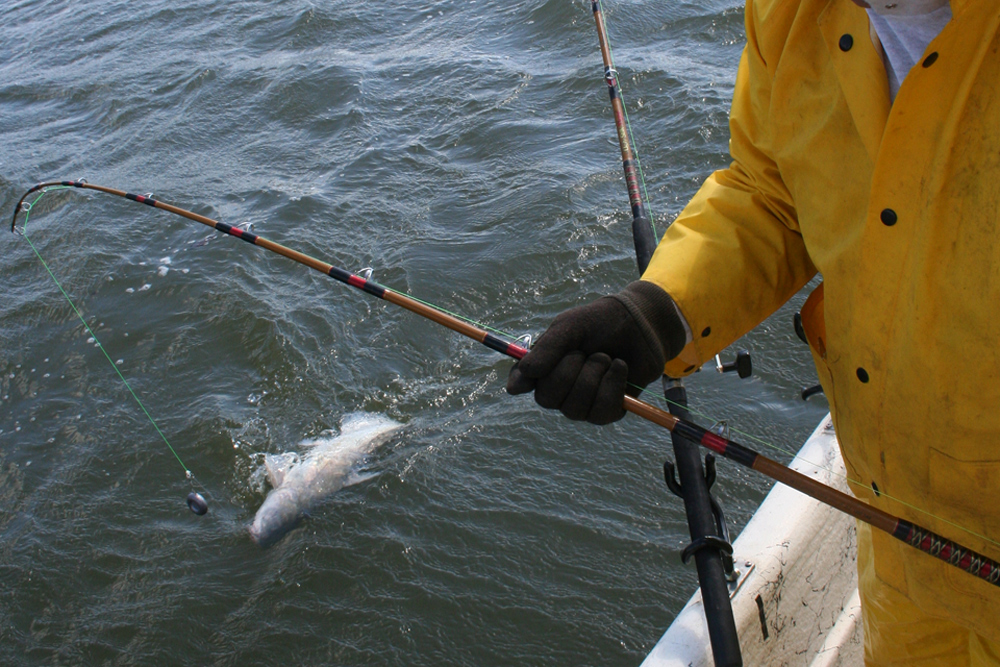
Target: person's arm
731, 258
735, 254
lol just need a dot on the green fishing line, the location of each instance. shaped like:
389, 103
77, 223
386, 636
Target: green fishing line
24, 233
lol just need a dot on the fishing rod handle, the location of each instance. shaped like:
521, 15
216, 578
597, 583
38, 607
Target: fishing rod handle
916, 536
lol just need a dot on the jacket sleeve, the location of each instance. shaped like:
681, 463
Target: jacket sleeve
735, 253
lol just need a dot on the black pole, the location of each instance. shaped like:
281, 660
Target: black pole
694, 488
701, 520
697, 504
701, 524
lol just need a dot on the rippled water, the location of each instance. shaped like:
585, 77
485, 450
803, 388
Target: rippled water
463, 150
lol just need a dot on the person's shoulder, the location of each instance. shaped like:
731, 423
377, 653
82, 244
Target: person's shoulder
785, 9
770, 22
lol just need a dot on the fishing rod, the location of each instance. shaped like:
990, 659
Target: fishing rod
916, 536
430, 312
642, 226
712, 552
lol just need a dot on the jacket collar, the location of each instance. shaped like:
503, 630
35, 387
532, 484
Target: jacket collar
859, 68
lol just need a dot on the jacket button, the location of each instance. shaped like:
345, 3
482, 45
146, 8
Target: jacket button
930, 60
888, 217
707, 332
846, 42
863, 375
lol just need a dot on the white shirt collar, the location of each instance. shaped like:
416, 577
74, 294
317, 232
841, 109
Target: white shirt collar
905, 7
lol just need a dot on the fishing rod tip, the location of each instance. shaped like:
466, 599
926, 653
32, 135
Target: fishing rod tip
21, 206
197, 503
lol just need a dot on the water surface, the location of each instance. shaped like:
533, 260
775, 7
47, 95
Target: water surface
463, 150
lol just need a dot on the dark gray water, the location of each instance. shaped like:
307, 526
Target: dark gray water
465, 151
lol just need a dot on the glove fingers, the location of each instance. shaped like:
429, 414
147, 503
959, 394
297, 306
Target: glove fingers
518, 382
610, 396
580, 400
548, 351
551, 390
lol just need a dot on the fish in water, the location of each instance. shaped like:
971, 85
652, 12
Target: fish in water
301, 482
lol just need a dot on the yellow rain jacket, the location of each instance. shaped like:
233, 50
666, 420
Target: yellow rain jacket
897, 205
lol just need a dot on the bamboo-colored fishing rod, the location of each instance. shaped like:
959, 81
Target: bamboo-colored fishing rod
431, 313
916, 536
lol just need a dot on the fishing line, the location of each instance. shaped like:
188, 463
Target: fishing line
477, 323
194, 500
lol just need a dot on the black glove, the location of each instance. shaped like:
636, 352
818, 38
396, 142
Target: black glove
583, 363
